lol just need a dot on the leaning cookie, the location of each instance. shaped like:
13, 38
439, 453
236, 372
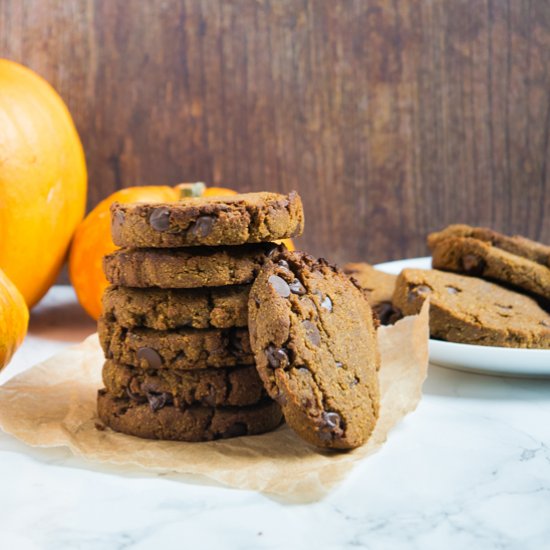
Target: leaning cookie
314, 340
209, 221
379, 287
473, 311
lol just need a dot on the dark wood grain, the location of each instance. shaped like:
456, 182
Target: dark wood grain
391, 118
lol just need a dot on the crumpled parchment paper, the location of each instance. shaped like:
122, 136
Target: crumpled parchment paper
54, 404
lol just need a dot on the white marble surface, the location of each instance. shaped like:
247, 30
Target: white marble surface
469, 469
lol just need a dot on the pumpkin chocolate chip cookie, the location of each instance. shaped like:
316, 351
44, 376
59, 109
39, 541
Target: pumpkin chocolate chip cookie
186, 267
473, 311
209, 221
196, 423
175, 349
314, 340
379, 287
485, 253
236, 386
165, 309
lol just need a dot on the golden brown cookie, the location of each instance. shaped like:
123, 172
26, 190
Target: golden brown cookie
209, 221
314, 340
195, 423
473, 311
165, 309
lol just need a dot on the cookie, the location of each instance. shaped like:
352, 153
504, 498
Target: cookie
209, 221
473, 311
175, 349
482, 259
237, 386
186, 267
313, 336
195, 423
379, 287
520, 246
165, 309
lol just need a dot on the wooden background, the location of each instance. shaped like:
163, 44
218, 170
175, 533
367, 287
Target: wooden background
391, 118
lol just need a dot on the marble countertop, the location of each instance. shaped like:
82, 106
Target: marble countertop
469, 468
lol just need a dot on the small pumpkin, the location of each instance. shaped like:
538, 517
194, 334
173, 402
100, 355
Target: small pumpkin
14, 319
42, 180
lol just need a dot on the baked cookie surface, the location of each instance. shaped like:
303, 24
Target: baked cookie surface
209, 221
186, 267
175, 349
165, 309
195, 423
314, 340
236, 386
473, 311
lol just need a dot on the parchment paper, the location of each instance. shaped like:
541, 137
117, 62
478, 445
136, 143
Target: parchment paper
54, 404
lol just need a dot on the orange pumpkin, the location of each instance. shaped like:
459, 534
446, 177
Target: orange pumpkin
42, 180
14, 318
93, 240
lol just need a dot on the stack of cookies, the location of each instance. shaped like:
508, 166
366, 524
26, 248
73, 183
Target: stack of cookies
174, 330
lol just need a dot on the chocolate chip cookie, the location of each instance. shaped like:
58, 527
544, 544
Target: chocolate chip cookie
237, 386
314, 340
195, 423
520, 246
473, 311
511, 260
175, 349
379, 287
165, 309
210, 221
186, 267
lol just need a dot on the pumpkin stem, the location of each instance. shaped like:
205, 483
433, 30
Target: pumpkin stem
187, 190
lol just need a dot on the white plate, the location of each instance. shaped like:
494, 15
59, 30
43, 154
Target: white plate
482, 359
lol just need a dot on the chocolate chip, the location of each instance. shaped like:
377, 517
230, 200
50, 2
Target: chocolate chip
236, 430
472, 264
452, 290
312, 332
202, 227
159, 219
354, 382
158, 400
153, 359
339, 365
327, 303
283, 263
138, 398
280, 286
118, 218
416, 291
386, 313
296, 287
331, 426
503, 306
235, 342
276, 357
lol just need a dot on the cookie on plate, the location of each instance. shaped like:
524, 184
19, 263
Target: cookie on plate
379, 287
209, 221
314, 340
186, 267
473, 311
165, 309
511, 260
195, 423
